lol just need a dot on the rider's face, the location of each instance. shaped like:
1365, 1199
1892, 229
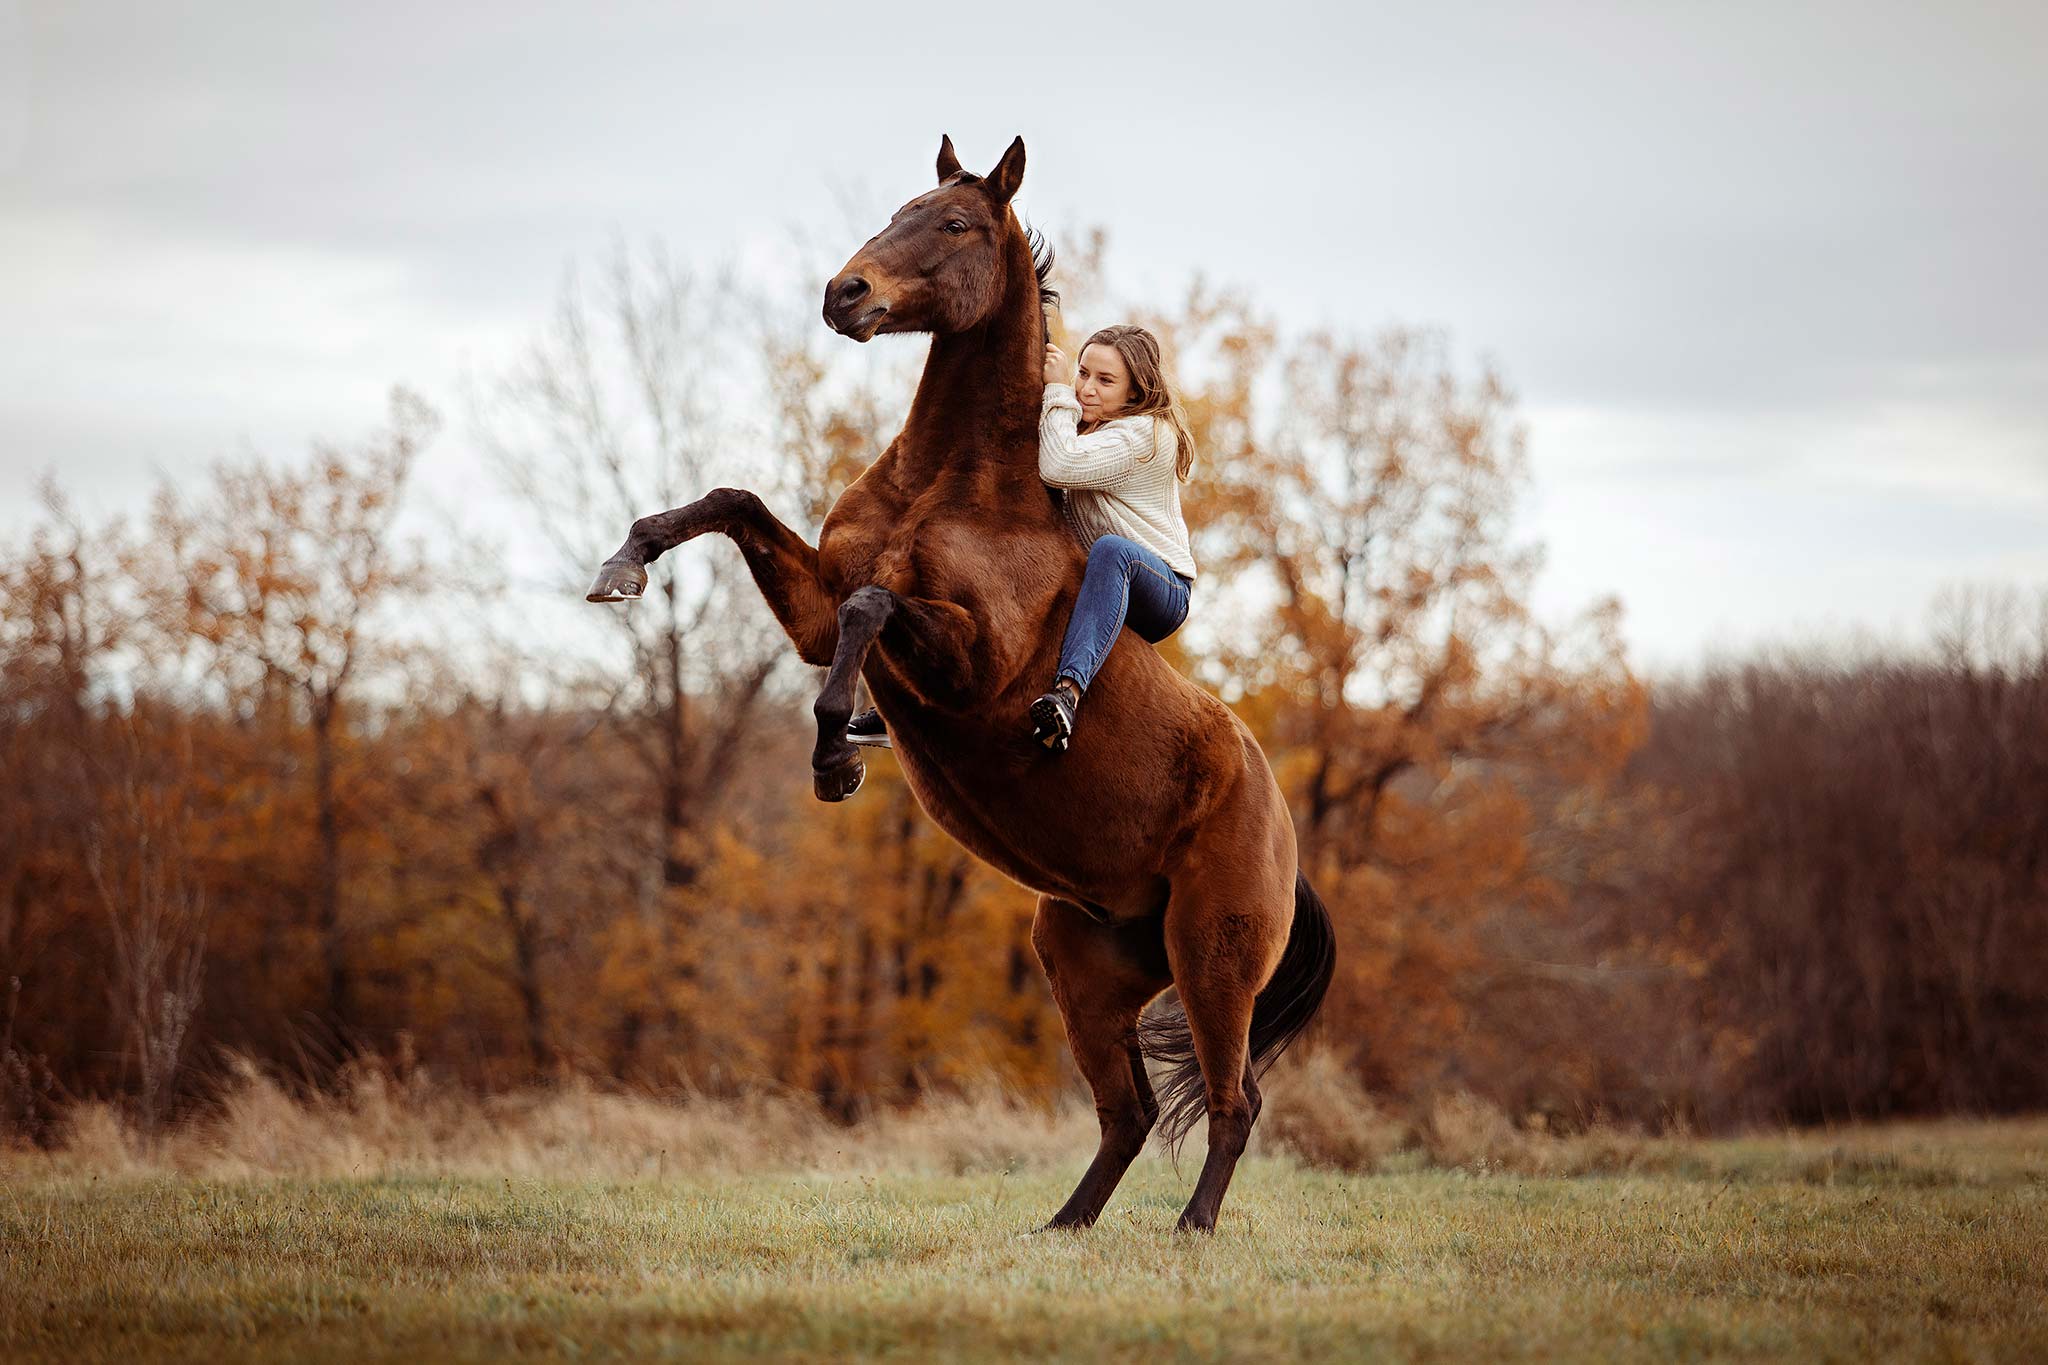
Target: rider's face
1101, 383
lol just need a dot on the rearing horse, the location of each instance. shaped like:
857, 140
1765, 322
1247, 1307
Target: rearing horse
1160, 846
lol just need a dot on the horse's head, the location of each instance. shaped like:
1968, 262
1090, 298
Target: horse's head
942, 263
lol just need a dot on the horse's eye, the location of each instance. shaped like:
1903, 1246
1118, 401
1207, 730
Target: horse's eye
956, 227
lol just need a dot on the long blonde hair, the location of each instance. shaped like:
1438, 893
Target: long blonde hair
1149, 391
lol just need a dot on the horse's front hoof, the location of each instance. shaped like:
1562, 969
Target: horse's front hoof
618, 581
838, 783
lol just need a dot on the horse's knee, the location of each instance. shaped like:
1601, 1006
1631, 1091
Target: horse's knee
1111, 552
866, 607
733, 502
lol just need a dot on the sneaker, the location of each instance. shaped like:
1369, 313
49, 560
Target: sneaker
1052, 716
867, 729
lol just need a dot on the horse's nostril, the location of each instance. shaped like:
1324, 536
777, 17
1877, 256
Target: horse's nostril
849, 291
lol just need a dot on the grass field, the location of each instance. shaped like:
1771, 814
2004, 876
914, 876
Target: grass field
1926, 1242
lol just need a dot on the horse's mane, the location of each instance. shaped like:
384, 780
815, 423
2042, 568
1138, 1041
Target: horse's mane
1041, 265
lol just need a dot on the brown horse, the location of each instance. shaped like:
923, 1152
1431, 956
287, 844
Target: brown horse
1160, 846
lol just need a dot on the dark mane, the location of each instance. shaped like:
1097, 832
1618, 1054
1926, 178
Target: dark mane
1041, 265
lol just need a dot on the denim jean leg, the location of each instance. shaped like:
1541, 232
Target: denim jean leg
1098, 612
1124, 580
1158, 601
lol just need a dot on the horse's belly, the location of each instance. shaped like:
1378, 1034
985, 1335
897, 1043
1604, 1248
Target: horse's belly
1036, 827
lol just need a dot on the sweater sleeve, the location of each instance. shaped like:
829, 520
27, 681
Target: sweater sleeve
1102, 459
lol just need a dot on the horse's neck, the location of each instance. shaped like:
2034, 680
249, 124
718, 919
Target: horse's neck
976, 410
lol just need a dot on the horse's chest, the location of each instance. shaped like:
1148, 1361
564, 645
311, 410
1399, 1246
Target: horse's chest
856, 551
920, 550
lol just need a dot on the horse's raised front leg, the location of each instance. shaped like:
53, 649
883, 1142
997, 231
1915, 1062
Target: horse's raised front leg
784, 566
934, 640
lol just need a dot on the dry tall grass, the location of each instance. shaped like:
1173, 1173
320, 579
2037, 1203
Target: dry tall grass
377, 1124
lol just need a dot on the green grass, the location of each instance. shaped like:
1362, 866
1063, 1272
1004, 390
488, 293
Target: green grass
1914, 1243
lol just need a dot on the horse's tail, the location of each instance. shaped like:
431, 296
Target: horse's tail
1279, 1014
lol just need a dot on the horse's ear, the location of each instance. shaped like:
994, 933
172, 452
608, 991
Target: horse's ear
1008, 174
949, 164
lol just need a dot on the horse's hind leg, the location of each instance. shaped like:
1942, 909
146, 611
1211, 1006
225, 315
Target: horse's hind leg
1102, 976
1224, 936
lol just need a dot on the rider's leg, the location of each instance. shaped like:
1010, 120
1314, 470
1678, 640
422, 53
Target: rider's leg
1126, 584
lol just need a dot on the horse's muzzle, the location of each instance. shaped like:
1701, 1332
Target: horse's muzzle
851, 308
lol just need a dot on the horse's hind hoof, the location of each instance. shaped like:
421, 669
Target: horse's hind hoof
836, 784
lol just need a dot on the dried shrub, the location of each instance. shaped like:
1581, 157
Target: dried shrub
1317, 1113
1463, 1132
29, 1113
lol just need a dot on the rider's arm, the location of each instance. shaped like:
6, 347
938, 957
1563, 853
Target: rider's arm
1103, 458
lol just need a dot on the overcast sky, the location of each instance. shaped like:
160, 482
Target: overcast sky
1769, 280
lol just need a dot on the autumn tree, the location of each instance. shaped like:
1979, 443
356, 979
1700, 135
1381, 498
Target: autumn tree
274, 580
501, 834
139, 855
644, 394
65, 614
625, 406
1427, 716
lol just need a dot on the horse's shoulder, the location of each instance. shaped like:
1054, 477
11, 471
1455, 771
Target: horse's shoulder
862, 523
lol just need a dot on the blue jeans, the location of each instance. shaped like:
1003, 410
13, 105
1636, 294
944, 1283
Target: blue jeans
1126, 584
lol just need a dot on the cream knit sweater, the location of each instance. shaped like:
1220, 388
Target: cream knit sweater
1119, 478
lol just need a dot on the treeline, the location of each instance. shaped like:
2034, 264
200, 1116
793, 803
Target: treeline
1865, 869
247, 804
